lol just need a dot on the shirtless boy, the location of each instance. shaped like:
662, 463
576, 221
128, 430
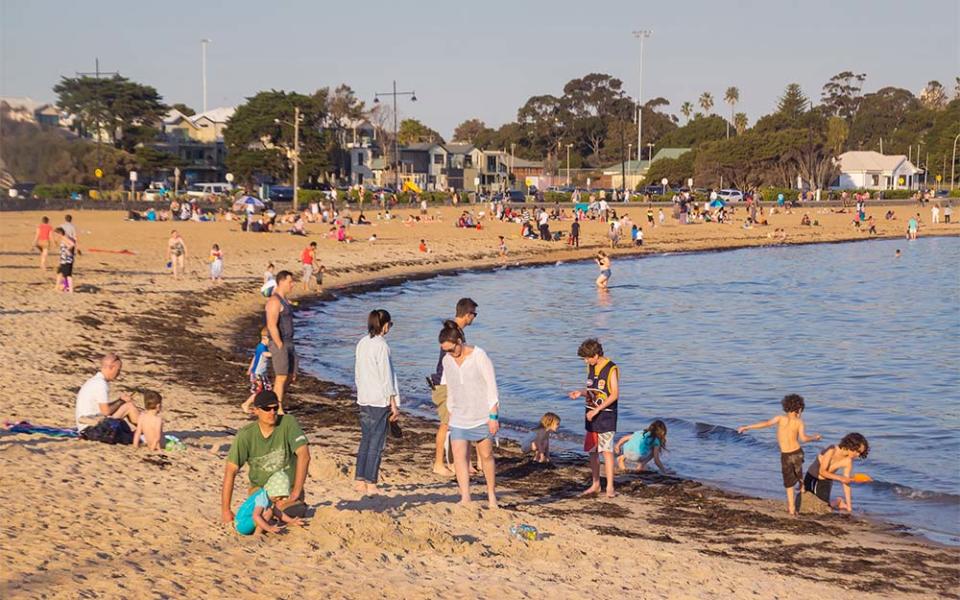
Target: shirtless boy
823, 472
150, 424
790, 434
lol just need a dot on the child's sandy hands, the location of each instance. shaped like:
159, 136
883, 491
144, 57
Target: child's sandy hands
575, 394
817, 437
295, 522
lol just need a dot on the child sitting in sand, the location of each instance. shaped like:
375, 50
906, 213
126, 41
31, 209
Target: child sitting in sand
257, 371
643, 446
256, 512
538, 440
790, 434
150, 424
423, 246
823, 472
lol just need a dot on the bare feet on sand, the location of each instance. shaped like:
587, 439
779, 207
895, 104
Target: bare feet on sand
443, 469
590, 491
373, 490
360, 486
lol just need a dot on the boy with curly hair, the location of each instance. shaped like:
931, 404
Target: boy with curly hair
790, 434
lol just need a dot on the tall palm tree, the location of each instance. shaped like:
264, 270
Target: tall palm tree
740, 122
706, 102
687, 109
731, 97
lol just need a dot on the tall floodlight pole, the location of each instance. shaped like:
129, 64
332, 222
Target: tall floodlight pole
396, 130
97, 73
641, 34
953, 163
203, 67
297, 118
568, 163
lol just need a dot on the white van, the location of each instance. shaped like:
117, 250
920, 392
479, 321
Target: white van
203, 190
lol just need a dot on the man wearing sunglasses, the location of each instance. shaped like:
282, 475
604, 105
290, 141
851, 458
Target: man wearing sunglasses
273, 443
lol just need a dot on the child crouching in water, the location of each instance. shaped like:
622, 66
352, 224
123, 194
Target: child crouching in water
823, 472
538, 440
150, 424
257, 371
256, 512
643, 446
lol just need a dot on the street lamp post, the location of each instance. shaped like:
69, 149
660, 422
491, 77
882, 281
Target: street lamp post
568, 163
954, 163
396, 143
203, 61
642, 34
296, 152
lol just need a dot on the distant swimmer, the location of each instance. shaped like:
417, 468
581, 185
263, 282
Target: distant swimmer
603, 261
897, 253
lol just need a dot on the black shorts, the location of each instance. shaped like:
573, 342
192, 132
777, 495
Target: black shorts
65, 269
791, 466
820, 488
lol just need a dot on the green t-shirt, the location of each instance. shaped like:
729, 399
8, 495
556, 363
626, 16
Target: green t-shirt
266, 456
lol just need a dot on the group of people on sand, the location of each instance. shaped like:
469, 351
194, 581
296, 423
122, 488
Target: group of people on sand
64, 239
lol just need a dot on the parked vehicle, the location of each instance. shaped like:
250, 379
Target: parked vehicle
281, 193
204, 190
730, 195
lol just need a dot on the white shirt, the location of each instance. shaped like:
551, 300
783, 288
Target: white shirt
374, 375
69, 229
95, 391
471, 389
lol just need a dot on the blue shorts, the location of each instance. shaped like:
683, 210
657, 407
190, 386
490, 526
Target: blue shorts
606, 273
474, 434
245, 524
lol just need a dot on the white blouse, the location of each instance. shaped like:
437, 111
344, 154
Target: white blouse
471, 389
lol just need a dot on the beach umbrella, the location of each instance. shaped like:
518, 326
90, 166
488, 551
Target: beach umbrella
242, 202
717, 203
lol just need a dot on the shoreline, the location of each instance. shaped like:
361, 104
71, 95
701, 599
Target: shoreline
189, 339
331, 294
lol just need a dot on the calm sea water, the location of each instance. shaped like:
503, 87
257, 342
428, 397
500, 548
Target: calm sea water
711, 341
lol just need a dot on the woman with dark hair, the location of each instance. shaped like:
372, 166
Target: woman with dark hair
474, 407
378, 399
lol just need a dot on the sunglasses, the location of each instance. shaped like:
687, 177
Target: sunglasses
452, 350
271, 408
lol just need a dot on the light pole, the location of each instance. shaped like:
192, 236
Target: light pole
954, 163
396, 143
513, 148
296, 151
629, 157
568, 163
649, 151
203, 66
642, 34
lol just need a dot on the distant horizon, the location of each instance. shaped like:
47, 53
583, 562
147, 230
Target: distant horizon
499, 61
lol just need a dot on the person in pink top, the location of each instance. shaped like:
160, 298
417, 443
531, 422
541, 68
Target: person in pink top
41, 241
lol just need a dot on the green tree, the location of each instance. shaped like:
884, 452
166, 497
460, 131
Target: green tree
793, 103
412, 131
731, 97
837, 132
544, 117
841, 95
126, 109
698, 130
257, 144
151, 161
893, 114
471, 131
183, 109
706, 102
676, 170
740, 123
934, 96
686, 109
590, 103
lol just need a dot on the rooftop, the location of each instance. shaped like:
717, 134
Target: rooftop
869, 160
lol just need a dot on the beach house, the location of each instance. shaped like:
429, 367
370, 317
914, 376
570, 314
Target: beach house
869, 170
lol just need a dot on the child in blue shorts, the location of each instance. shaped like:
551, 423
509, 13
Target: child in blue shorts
259, 379
643, 446
257, 510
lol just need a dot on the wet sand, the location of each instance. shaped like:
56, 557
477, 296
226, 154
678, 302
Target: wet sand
105, 521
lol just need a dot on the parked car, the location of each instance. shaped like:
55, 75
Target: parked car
205, 190
281, 193
157, 191
730, 195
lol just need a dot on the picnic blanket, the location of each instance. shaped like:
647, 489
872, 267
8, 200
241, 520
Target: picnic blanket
27, 427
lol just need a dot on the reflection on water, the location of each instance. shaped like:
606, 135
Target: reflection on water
712, 341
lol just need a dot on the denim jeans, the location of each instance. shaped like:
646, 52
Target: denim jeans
373, 437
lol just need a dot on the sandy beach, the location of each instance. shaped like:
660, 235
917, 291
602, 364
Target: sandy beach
106, 521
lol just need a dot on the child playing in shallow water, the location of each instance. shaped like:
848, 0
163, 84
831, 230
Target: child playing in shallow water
150, 424
643, 446
256, 512
257, 371
823, 472
538, 440
790, 434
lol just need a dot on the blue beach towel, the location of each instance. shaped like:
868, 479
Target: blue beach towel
27, 427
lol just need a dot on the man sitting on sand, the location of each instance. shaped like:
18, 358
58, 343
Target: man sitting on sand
93, 399
273, 443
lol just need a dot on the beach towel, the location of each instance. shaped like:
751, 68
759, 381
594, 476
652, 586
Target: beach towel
27, 427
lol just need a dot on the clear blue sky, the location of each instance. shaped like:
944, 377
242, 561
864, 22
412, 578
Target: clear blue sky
479, 59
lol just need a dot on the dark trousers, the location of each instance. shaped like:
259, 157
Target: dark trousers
545, 232
373, 437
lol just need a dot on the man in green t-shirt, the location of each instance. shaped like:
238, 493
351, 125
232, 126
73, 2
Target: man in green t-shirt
273, 443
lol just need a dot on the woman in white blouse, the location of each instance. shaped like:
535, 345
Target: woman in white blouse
378, 399
474, 408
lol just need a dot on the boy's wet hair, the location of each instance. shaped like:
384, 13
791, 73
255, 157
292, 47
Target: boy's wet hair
855, 441
590, 348
793, 403
151, 399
